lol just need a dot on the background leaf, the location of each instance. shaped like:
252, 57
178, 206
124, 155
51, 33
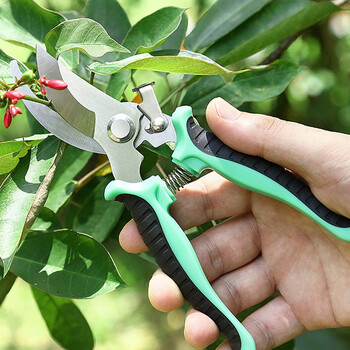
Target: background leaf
169, 61
25, 23
276, 21
63, 185
83, 34
90, 210
110, 15
22, 184
220, 19
5, 71
64, 320
256, 85
66, 264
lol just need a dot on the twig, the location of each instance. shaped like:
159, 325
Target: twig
283, 46
38, 100
89, 176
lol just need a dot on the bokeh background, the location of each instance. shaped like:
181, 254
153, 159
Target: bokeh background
319, 96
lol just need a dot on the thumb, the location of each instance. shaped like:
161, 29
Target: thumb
294, 146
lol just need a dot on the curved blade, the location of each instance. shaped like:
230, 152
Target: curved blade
53, 122
89, 110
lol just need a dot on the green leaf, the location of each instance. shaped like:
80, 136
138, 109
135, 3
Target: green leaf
12, 151
22, 185
143, 37
47, 220
110, 15
153, 30
256, 85
66, 264
65, 321
174, 41
63, 185
169, 61
223, 17
91, 210
5, 70
275, 22
83, 34
25, 23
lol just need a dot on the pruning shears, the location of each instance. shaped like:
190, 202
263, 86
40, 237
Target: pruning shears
87, 118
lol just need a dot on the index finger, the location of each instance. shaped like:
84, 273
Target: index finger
209, 198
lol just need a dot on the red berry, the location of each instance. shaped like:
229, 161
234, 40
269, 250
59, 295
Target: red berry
56, 84
43, 90
13, 110
14, 101
42, 80
14, 94
7, 118
19, 111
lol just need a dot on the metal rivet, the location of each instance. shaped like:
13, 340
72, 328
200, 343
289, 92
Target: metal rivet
121, 128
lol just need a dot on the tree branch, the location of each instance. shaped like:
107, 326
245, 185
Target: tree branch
283, 46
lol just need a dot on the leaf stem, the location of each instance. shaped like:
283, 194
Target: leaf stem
275, 55
92, 76
176, 91
89, 176
37, 100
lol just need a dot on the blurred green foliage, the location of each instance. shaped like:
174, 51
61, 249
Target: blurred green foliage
319, 96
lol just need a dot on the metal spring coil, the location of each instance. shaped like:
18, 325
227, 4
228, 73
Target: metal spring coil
177, 179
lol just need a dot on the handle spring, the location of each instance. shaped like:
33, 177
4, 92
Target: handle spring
177, 179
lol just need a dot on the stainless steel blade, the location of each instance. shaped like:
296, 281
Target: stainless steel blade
91, 111
53, 122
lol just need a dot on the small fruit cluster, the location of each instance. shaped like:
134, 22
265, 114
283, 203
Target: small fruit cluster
10, 99
10, 96
53, 84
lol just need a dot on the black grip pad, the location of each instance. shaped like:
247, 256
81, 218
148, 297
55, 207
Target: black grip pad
152, 234
208, 143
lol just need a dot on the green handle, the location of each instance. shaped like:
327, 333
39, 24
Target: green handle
197, 149
149, 203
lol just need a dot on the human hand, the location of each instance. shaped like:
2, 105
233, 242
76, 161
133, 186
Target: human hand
265, 246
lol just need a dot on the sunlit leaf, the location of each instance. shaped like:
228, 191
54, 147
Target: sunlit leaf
83, 34
65, 321
172, 61
22, 185
12, 151
256, 85
276, 21
66, 264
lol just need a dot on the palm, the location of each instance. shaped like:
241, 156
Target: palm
309, 267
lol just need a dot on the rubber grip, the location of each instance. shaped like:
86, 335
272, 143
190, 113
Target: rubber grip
152, 234
208, 143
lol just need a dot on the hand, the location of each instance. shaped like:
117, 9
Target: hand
265, 246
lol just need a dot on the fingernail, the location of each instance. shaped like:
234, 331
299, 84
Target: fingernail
225, 110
